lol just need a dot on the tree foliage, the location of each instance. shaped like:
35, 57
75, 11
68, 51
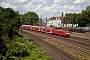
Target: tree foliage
30, 18
9, 26
82, 19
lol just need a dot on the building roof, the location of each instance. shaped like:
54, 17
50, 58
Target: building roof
56, 18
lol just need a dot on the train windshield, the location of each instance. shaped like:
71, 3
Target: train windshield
67, 31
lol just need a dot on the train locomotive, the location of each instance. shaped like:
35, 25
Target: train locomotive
48, 30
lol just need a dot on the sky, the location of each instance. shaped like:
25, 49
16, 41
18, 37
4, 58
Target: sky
46, 8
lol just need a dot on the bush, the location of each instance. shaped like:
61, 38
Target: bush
23, 48
18, 47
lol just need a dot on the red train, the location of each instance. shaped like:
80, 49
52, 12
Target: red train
48, 30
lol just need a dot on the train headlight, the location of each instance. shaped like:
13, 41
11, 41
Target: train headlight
67, 33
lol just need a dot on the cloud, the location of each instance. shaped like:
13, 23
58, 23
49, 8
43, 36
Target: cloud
39, 1
21, 1
81, 1
21, 9
62, 1
46, 8
38, 8
29, 6
7, 5
72, 7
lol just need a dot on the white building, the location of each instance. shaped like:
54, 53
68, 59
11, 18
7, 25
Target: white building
57, 22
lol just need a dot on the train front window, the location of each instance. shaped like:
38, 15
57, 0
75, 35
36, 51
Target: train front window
67, 32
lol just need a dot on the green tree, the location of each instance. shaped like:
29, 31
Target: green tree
83, 18
30, 18
9, 26
86, 16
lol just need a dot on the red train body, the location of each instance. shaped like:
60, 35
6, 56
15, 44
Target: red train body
40, 29
43, 29
48, 30
61, 32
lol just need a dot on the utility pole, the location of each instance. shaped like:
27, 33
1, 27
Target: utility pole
46, 25
41, 22
62, 21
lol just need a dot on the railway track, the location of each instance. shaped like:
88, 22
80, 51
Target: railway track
81, 39
67, 42
79, 44
62, 54
72, 42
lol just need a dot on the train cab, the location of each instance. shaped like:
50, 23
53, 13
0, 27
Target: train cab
61, 32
